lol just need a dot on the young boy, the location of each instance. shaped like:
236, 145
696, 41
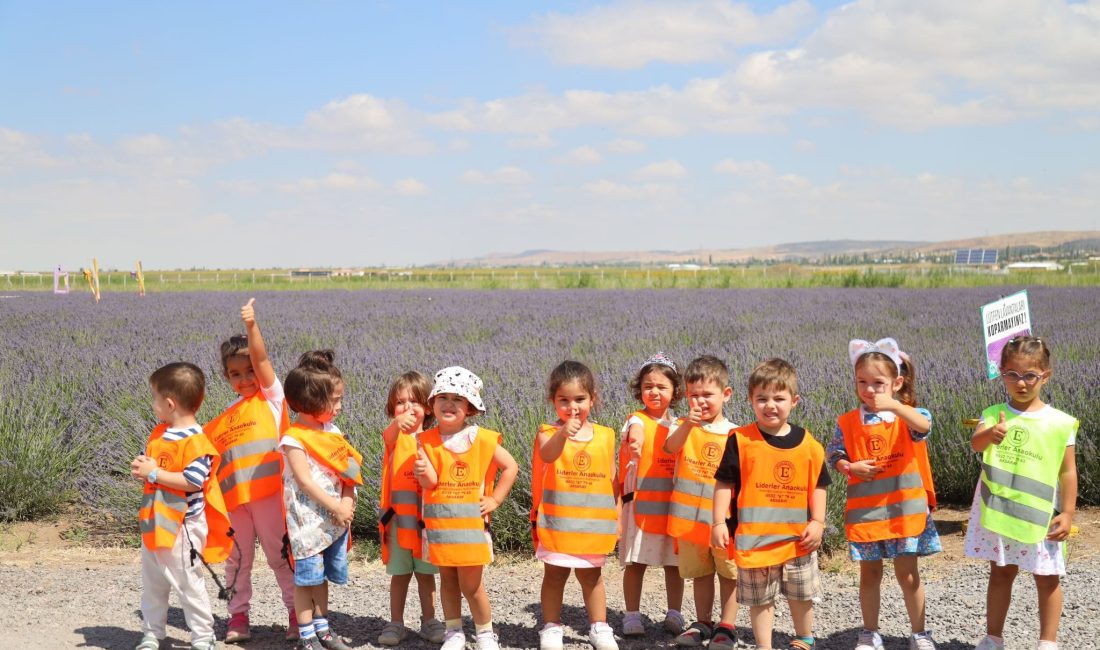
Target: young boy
775, 472
176, 468
697, 442
245, 435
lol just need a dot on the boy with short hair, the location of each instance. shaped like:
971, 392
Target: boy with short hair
774, 472
177, 466
697, 442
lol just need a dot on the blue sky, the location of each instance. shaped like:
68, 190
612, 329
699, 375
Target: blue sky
283, 134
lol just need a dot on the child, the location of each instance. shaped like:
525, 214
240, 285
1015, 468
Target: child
1027, 494
319, 479
697, 444
880, 448
577, 512
455, 464
398, 527
176, 469
647, 472
246, 435
774, 471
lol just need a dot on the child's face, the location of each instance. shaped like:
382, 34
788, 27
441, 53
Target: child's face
709, 396
571, 400
238, 370
335, 405
772, 406
873, 379
162, 406
657, 391
405, 402
450, 410
1024, 379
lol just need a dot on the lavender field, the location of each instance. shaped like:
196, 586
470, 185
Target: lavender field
74, 404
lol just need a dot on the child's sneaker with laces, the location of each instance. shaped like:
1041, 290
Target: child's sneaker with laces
602, 637
633, 624
921, 641
453, 639
988, 643
674, 622
871, 641
432, 630
550, 637
487, 640
392, 634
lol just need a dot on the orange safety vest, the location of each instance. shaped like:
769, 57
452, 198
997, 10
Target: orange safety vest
576, 510
163, 508
454, 529
400, 497
895, 503
773, 504
538, 468
331, 450
247, 437
654, 474
689, 512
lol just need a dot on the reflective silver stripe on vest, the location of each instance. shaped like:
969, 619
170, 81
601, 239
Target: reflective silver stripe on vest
404, 498
352, 472
1023, 484
262, 446
577, 525
159, 521
768, 515
172, 501
578, 499
690, 513
693, 488
752, 542
452, 511
881, 486
1012, 509
882, 513
646, 507
455, 535
246, 474
407, 521
654, 484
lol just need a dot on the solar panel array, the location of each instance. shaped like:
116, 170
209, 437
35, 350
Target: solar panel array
976, 256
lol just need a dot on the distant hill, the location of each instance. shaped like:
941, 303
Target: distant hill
1063, 242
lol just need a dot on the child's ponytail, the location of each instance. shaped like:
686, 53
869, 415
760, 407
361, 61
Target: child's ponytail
907, 394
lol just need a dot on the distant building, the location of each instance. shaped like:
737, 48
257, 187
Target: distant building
1034, 266
310, 273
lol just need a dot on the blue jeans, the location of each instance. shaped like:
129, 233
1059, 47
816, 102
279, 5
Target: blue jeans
330, 564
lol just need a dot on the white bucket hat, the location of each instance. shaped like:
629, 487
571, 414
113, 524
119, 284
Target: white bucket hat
461, 382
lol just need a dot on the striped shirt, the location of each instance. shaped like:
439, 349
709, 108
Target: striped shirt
196, 473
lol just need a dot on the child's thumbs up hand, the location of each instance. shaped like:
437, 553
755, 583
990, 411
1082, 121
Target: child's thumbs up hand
695, 413
635, 447
572, 425
997, 433
406, 422
248, 313
420, 465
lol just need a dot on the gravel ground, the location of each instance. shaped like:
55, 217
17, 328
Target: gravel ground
89, 598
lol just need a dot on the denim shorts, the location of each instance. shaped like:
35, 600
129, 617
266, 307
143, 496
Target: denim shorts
330, 564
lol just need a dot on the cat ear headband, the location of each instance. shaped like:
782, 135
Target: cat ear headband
888, 346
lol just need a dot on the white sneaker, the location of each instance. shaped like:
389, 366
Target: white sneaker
453, 640
633, 625
487, 640
602, 637
921, 641
872, 641
989, 644
550, 637
674, 622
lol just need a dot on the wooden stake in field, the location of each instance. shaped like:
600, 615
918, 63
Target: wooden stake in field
95, 279
140, 279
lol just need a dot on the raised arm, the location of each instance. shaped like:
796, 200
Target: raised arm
988, 435
550, 446
257, 352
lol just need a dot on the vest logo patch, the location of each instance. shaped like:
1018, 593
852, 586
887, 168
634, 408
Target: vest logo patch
164, 461
460, 471
876, 445
784, 472
234, 417
711, 452
1017, 436
582, 461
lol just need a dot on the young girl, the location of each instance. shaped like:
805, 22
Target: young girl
456, 462
1027, 494
647, 472
576, 506
398, 528
321, 472
880, 447
245, 435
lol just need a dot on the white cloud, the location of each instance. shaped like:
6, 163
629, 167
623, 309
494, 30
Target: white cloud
751, 168
410, 187
663, 169
510, 175
625, 146
608, 189
338, 181
633, 33
585, 155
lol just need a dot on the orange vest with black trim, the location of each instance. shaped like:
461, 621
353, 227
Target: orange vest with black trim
332, 450
400, 497
577, 514
163, 509
246, 435
652, 489
689, 511
773, 503
895, 503
454, 530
